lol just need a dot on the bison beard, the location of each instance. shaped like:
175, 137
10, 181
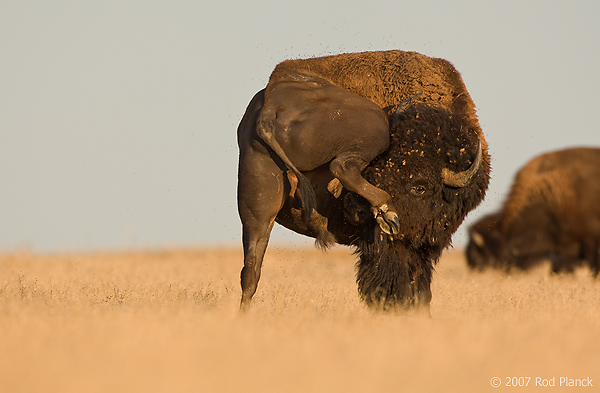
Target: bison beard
396, 271
392, 275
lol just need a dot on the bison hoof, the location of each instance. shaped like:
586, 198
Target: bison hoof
387, 220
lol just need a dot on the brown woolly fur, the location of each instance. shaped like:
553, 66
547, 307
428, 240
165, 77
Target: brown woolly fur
388, 77
552, 212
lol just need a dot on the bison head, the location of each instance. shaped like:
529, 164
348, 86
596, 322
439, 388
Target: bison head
436, 171
521, 242
485, 243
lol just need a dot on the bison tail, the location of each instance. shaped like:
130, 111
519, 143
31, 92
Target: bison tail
308, 197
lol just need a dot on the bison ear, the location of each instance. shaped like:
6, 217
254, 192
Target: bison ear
404, 105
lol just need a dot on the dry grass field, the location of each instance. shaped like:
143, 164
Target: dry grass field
168, 321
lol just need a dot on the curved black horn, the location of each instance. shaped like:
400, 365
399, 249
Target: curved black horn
404, 106
464, 178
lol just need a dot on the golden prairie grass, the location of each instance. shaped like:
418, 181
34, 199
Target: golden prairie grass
168, 321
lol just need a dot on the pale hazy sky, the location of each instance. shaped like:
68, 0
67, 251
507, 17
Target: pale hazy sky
118, 118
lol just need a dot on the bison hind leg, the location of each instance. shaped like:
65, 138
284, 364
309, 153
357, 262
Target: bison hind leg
261, 190
347, 168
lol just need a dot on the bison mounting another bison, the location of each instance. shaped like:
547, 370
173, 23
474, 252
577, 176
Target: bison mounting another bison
552, 213
381, 151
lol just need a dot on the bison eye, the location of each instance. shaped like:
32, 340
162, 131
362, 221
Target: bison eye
418, 190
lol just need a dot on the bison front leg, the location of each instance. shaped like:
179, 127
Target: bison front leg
348, 168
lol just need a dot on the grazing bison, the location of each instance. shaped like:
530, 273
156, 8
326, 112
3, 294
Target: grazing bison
336, 148
552, 213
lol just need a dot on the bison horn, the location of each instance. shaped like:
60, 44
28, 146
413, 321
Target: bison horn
404, 105
464, 178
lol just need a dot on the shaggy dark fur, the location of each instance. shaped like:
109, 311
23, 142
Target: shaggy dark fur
426, 139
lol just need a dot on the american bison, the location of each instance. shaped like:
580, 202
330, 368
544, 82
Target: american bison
394, 179
552, 213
